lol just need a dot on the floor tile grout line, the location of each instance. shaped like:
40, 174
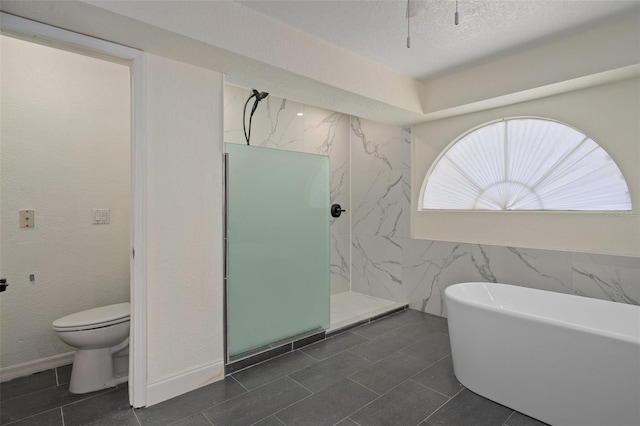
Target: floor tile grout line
355, 330
443, 404
405, 380
418, 358
96, 395
30, 393
273, 380
215, 404
136, 416
188, 417
300, 400
238, 382
277, 378
336, 354
244, 393
309, 396
272, 414
510, 415
206, 417
33, 415
430, 388
435, 411
275, 414
304, 353
303, 386
389, 355
380, 395
360, 384
430, 365
180, 419
324, 359
265, 418
341, 420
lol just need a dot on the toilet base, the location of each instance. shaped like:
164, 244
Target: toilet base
93, 370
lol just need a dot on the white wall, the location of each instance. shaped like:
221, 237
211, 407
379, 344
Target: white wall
65, 151
184, 227
608, 114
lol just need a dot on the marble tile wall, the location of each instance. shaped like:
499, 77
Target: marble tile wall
379, 201
276, 124
387, 263
371, 248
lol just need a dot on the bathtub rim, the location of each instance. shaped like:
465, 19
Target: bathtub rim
452, 293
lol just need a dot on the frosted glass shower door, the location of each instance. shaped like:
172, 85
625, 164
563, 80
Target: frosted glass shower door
277, 245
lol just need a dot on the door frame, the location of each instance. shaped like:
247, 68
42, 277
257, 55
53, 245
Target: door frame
67, 40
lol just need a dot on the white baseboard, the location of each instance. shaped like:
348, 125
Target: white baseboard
31, 367
184, 382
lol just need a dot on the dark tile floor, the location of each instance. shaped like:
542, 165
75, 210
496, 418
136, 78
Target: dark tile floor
396, 371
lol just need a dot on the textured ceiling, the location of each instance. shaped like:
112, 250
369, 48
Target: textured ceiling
377, 30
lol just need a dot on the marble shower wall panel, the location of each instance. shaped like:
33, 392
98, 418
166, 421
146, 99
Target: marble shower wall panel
429, 267
328, 132
276, 124
379, 200
375, 147
607, 277
406, 147
376, 266
340, 263
234, 99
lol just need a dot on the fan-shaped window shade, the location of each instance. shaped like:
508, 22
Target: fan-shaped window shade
525, 164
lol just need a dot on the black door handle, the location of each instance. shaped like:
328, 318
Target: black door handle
3, 284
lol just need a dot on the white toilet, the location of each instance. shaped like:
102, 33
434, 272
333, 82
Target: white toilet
101, 339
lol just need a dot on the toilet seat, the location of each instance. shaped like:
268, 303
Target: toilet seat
94, 318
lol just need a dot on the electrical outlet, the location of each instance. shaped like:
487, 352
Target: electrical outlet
27, 218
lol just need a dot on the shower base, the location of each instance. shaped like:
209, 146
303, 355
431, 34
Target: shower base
349, 309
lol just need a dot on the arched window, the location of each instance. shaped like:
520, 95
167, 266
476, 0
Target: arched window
525, 164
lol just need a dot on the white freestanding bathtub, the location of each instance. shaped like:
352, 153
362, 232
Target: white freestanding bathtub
562, 359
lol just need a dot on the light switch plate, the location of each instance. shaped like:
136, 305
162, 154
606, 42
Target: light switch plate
101, 217
27, 218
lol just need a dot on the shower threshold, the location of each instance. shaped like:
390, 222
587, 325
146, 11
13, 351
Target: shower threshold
351, 309
348, 310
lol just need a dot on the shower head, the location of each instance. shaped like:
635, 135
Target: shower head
259, 95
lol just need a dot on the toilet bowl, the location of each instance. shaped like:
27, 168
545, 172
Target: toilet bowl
98, 335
